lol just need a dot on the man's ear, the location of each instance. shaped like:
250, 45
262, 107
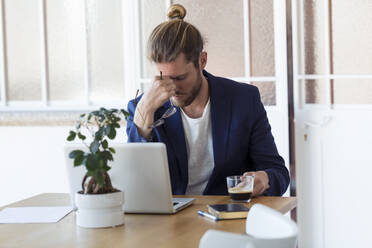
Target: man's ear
203, 60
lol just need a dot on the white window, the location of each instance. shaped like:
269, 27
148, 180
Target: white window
333, 66
62, 56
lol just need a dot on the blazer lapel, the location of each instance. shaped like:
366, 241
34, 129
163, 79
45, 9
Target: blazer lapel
173, 128
220, 118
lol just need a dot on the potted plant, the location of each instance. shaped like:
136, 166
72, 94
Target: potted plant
99, 203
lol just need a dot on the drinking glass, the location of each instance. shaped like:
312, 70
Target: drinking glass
240, 188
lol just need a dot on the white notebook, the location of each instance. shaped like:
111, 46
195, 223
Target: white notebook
33, 214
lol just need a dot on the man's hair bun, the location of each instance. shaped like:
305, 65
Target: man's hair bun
173, 37
176, 11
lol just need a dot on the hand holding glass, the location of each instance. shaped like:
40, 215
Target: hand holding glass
240, 188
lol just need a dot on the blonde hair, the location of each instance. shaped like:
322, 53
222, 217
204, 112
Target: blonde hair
173, 37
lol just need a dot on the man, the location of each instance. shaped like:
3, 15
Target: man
220, 127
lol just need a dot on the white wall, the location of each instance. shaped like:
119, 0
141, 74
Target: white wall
347, 175
32, 161
334, 168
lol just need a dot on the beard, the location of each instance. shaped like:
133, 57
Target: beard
193, 94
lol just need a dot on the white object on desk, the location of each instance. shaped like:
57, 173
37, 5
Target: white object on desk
265, 228
33, 214
220, 239
270, 228
100, 210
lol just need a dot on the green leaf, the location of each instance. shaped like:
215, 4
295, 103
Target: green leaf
89, 117
99, 178
76, 153
94, 146
82, 115
107, 155
82, 137
125, 113
116, 125
108, 129
78, 160
92, 163
112, 150
112, 134
101, 163
72, 136
106, 168
98, 135
104, 144
89, 164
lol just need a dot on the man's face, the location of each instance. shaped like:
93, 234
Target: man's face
187, 78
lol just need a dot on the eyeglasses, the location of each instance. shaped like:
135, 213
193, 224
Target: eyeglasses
168, 113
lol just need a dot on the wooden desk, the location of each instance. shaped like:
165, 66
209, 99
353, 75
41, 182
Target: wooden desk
183, 229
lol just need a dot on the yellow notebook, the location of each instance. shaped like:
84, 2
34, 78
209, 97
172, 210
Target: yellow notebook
228, 211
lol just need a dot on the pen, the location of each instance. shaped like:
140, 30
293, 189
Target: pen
205, 214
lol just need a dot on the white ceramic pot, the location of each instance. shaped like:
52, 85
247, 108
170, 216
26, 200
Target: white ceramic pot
101, 210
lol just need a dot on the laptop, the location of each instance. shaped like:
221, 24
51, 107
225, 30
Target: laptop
141, 171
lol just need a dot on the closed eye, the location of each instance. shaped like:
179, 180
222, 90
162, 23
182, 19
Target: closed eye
179, 78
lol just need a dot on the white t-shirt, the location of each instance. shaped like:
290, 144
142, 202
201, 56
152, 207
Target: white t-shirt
199, 145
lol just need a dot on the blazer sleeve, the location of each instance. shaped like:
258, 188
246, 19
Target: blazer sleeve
263, 152
132, 130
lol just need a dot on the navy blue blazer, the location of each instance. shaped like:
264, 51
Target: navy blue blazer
242, 139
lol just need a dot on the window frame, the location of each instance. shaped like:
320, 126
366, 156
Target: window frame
299, 75
133, 61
